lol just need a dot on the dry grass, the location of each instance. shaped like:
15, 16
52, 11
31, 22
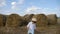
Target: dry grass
52, 29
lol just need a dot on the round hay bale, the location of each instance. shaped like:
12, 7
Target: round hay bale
14, 20
2, 20
52, 19
41, 20
58, 20
28, 17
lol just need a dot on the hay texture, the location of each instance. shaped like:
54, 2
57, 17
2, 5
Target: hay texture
58, 20
28, 17
2, 20
13, 20
52, 19
41, 20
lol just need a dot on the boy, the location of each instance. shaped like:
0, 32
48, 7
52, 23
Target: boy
31, 26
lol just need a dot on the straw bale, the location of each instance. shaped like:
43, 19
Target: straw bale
52, 19
14, 20
58, 20
41, 20
2, 20
28, 17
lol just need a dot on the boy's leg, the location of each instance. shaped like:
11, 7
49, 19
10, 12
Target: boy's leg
30, 31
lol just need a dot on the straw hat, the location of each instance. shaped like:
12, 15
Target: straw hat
34, 19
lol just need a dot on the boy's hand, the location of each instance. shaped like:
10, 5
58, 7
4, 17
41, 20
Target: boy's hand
27, 28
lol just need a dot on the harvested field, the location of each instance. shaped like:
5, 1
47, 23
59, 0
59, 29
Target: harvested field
52, 29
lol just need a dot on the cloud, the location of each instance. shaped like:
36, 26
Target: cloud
4, 12
7, 12
13, 5
2, 3
21, 1
32, 9
38, 10
16, 5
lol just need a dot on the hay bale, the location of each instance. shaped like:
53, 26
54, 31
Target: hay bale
52, 19
41, 20
14, 20
2, 20
58, 20
28, 17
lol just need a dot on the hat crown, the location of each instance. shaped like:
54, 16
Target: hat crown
34, 19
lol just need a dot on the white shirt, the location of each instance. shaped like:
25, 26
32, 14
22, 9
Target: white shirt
31, 25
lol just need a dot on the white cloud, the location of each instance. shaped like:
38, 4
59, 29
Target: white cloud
37, 10
13, 5
21, 1
16, 5
2, 3
4, 12
32, 9
7, 12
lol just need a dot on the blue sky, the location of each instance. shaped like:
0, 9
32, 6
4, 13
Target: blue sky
23, 7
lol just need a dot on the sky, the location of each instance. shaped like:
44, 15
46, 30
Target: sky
23, 7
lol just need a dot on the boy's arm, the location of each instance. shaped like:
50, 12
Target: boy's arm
28, 25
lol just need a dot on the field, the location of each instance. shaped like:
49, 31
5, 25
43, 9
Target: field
52, 29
